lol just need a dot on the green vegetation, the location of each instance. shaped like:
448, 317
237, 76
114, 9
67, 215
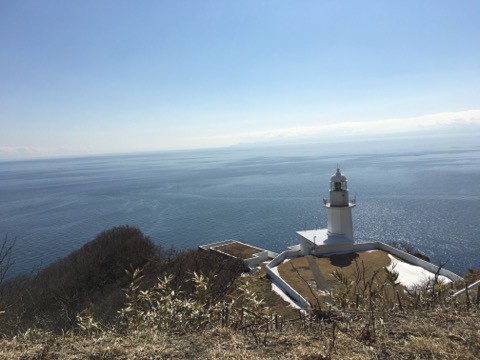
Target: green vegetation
195, 304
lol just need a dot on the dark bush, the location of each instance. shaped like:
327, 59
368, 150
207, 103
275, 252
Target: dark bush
94, 274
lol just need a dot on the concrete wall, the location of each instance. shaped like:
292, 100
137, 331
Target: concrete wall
212, 245
257, 259
470, 287
282, 284
305, 245
332, 249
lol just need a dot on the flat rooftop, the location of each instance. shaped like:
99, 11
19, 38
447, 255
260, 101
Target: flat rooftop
238, 249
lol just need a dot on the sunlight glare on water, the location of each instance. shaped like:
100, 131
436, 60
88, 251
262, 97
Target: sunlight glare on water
425, 192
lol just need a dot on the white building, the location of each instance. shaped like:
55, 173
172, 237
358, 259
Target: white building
339, 233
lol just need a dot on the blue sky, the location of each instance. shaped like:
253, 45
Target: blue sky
81, 77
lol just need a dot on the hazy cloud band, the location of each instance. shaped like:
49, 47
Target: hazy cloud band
431, 122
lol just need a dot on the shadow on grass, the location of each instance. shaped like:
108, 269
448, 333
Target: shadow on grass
343, 260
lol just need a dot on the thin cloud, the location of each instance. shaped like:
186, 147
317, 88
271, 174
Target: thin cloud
447, 121
34, 151
18, 150
431, 122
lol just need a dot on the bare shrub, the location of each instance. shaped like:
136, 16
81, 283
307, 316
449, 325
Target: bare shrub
222, 270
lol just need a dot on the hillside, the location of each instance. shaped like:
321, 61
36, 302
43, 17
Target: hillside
196, 305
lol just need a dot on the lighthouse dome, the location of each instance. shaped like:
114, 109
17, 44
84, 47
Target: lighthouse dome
338, 177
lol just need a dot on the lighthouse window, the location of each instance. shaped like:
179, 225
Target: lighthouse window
338, 186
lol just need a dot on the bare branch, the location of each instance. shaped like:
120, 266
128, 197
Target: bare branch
6, 261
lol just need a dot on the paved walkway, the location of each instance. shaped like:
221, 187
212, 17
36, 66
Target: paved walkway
317, 275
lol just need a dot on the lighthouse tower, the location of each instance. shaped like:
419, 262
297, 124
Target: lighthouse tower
339, 208
338, 236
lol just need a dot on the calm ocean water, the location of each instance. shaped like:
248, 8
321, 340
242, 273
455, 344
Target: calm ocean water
423, 191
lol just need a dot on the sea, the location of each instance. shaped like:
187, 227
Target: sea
424, 191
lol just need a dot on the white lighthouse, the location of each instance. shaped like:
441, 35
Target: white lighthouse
339, 208
339, 233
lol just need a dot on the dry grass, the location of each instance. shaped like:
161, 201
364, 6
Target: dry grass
350, 264
262, 286
238, 250
440, 334
156, 324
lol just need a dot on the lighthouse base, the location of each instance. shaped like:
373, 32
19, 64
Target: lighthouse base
320, 241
